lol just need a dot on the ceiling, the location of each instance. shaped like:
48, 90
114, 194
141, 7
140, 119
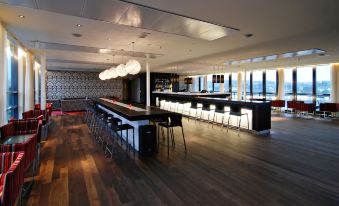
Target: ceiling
277, 27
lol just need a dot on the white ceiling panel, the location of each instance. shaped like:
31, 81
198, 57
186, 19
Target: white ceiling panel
70, 7
105, 10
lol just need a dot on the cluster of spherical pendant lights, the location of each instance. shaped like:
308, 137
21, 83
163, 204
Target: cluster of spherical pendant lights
131, 67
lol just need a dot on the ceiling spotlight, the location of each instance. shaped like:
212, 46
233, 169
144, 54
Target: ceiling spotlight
248, 35
108, 39
77, 35
79, 25
21, 16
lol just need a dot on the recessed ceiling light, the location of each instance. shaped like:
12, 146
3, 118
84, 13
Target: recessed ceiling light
79, 25
77, 35
21, 16
248, 35
108, 39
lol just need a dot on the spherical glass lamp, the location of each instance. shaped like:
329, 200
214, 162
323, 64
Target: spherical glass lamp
133, 67
121, 71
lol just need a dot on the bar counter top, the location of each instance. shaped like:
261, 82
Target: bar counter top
143, 113
198, 94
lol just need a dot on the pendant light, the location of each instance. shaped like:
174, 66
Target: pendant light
133, 66
121, 70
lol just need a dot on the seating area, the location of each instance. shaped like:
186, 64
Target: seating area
20, 152
302, 109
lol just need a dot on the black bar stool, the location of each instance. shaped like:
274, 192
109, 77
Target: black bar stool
123, 127
235, 110
175, 121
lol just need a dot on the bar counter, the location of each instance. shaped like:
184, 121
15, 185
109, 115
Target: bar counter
259, 112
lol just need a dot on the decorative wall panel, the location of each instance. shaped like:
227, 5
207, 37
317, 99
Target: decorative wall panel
63, 84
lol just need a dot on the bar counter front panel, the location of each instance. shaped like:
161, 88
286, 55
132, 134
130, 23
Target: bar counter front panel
259, 112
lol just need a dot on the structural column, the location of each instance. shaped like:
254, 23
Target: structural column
29, 83
335, 83
43, 81
240, 74
21, 81
148, 85
245, 87
3, 74
281, 83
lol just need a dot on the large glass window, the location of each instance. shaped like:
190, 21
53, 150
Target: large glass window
195, 84
234, 85
323, 83
202, 82
12, 82
304, 84
209, 83
288, 73
257, 84
271, 84
248, 85
227, 82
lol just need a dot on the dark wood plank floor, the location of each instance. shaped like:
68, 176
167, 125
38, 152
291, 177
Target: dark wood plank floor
297, 165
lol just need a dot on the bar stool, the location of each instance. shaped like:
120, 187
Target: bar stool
195, 107
123, 127
207, 108
175, 121
235, 110
219, 110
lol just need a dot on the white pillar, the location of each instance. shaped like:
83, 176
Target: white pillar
148, 85
205, 82
245, 87
239, 85
29, 83
281, 84
335, 83
36, 83
43, 81
21, 81
3, 74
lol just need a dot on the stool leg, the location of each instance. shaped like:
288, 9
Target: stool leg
167, 142
133, 144
183, 137
228, 122
172, 136
239, 126
248, 123
158, 138
127, 143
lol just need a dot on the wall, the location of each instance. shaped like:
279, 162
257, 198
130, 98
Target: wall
62, 84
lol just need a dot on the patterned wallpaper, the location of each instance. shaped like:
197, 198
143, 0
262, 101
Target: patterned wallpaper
64, 84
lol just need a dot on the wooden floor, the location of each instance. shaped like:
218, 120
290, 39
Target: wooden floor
297, 165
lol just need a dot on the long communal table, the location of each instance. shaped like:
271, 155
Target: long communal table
135, 115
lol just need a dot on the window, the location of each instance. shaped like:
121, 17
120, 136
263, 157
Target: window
12, 82
257, 84
248, 85
288, 73
195, 85
227, 82
271, 84
217, 86
323, 83
209, 83
234, 85
304, 84
202, 82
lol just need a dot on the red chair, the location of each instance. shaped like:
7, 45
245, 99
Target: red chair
329, 108
39, 114
11, 177
292, 105
37, 107
21, 127
278, 104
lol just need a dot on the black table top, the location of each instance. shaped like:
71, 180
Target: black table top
17, 139
132, 115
